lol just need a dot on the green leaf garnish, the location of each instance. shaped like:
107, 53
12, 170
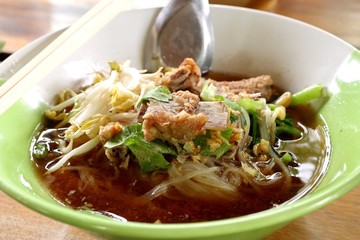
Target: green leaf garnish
160, 93
250, 105
148, 154
307, 94
254, 129
208, 92
286, 126
293, 171
41, 150
286, 158
206, 150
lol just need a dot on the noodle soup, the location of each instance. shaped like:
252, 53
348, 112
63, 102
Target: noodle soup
172, 147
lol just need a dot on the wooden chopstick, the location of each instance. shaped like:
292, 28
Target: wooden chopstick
57, 51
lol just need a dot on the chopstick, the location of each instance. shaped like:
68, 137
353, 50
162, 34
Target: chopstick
57, 51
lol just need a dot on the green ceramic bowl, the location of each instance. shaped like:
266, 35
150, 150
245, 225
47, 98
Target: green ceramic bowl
248, 42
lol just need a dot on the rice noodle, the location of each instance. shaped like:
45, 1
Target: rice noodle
270, 180
195, 180
270, 165
264, 124
245, 177
282, 166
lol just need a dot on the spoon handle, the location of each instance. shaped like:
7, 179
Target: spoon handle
202, 7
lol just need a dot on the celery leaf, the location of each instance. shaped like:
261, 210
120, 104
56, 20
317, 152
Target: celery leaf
160, 93
150, 155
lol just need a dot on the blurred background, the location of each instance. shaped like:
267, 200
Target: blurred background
22, 21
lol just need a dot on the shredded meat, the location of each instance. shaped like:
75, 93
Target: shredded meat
262, 84
186, 77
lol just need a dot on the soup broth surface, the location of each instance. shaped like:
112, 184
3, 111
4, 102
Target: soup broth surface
91, 183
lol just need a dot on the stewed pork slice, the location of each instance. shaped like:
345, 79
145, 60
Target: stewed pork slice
183, 118
262, 84
186, 77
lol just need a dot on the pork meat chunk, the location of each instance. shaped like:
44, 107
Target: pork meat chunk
186, 77
183, 118
174, 121
262, 84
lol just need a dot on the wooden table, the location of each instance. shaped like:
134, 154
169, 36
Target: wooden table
22, 21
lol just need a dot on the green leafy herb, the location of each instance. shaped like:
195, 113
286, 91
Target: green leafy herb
294, 171
229, 103
232, 105
272, 106
286, 158
40, 150
148, 154
286, 126
234, 117
250, 105
160, 93
287, 130
208, 92
206, 150
308, 94
254, 129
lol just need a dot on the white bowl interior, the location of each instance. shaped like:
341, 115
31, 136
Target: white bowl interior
247, 42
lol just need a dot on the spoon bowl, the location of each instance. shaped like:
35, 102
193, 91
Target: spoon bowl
182, 29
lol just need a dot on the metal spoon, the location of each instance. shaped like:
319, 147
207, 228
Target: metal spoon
182, 29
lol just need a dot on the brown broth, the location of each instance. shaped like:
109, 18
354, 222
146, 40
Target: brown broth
96, 186
121, 194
